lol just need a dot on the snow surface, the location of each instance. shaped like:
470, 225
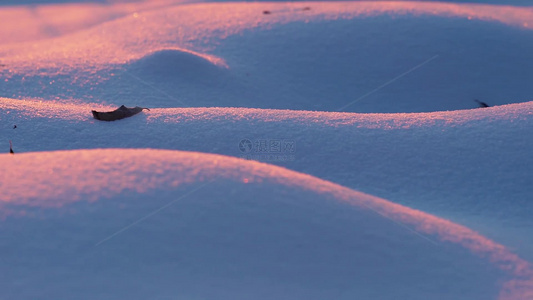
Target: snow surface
310, 222
233, 55
249, 230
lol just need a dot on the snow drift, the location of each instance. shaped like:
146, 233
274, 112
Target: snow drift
302, 56
196, 225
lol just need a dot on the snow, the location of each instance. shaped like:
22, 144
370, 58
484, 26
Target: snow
355, 102
233, 55
249, 230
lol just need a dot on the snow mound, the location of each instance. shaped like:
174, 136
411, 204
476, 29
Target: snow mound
181, 69
473, 161
222, 227
303, 56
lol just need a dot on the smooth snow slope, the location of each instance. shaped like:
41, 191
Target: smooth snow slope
225, 228
310, 56
473, 166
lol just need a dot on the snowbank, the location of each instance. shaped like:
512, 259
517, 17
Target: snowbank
121, 223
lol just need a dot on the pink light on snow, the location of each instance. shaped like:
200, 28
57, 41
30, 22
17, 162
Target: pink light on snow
62, 38
55, 179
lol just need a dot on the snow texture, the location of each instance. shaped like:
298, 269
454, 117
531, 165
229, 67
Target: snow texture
321, 150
